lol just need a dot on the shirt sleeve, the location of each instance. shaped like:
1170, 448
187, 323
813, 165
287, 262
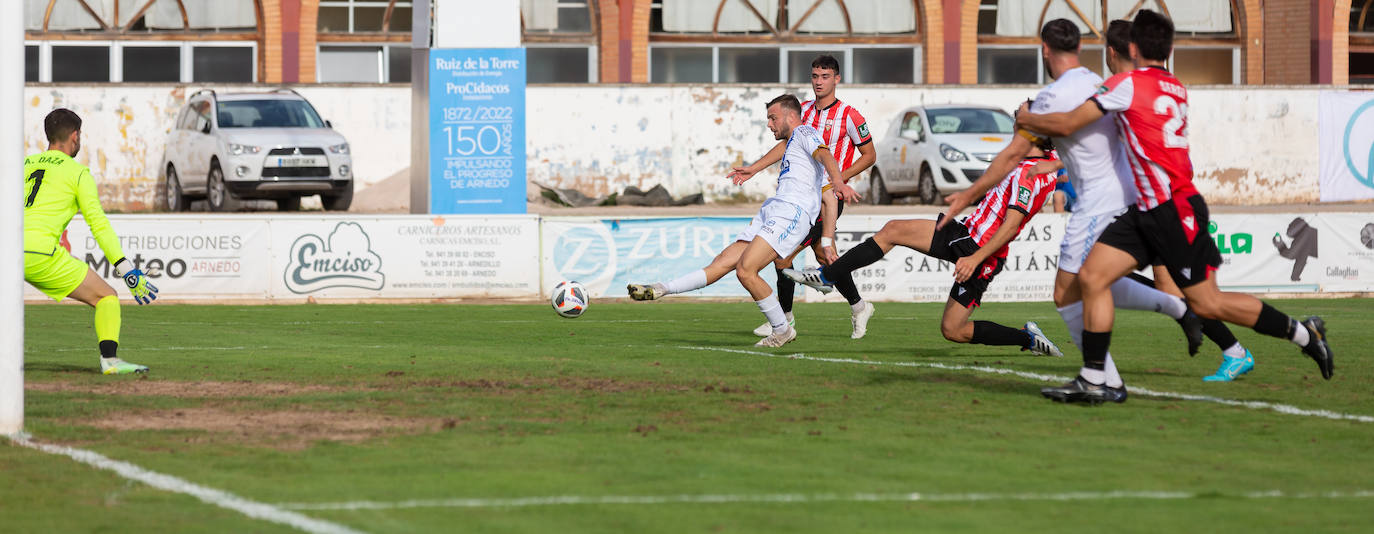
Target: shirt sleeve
811, 141
858, 128
1116, 94
88, 202
1027, 188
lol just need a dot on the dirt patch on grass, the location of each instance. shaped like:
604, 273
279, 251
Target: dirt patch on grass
282, 429
539, 385
170, 388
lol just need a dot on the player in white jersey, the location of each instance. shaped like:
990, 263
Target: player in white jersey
1101, 175
780, 226
845, 130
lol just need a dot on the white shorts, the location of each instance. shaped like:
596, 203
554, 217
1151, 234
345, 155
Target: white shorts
782, 224
1079, 235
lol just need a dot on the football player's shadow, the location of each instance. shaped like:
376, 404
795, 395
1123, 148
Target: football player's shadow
60, 368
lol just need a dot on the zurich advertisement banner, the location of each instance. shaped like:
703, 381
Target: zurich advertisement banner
477, 131
1346, 141
605, 255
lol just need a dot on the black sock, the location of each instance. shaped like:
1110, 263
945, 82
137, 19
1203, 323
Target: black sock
856, 258
1274, 323
786, 288
108, 348
847, 288
1218, 332
990, 333
1095, 349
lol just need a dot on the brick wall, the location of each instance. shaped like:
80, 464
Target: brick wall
608, 42
310, 12
1287, 41
269, 51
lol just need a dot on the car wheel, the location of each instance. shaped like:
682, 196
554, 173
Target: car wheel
176, 199
339, 202
925, 189
877, 190
291, 203
218, 194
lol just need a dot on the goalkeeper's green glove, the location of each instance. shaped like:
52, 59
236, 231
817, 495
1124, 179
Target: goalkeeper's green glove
143, 291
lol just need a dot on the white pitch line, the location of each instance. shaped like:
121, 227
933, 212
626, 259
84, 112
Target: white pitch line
220, 498
792, 498
1254, 405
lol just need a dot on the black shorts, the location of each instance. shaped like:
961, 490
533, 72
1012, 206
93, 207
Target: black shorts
1173, 234
953, 242
817, 227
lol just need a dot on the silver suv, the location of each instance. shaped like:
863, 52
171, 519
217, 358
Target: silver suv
231, 147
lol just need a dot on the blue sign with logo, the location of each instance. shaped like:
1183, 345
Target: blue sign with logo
606, 255
477, 130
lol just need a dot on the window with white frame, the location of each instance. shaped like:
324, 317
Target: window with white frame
363, 41
559, 39
772, 41
79, 61
154, 41
1206, 46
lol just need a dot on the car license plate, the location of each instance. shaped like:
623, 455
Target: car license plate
296, 161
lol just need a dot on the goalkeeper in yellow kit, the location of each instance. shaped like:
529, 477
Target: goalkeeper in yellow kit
55, 188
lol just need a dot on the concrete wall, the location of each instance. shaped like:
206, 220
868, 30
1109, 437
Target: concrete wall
1249, 146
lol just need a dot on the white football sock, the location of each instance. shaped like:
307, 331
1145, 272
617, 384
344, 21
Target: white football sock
1234, 351
1300, 335
1128, 294
858, 306
687, 282
773, 311
1073, 318
1113, 377
1093, 376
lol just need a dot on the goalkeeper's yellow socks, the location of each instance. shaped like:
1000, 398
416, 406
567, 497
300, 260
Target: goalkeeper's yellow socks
107, 325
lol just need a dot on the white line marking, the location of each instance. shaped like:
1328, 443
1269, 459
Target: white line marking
519, 502
1254, 405
223, 499
192, 349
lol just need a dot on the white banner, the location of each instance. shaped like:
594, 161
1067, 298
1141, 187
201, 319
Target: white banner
296, 257
199, 257
1346, 124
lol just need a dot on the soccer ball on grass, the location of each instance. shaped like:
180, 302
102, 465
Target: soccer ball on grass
569, 299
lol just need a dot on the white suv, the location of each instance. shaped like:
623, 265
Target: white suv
238, 146
931, 151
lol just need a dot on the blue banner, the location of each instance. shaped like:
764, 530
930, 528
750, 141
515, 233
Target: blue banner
605, 255
477, 131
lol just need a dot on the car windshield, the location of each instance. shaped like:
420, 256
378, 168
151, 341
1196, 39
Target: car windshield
273, 113
969, 120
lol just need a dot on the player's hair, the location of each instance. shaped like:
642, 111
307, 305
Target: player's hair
826, 61
1061, 35
1153, 34
60, 123
788, 103
1119, 37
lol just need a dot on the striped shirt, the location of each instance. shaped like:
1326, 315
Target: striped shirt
841, 126
1020, 191
1152, 115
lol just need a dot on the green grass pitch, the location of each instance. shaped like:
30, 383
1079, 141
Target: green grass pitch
307, 405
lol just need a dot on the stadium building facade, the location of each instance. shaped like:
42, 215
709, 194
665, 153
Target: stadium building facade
1250, 42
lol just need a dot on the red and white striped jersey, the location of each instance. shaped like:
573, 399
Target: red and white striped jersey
842, 127
1021, 191
1152, 114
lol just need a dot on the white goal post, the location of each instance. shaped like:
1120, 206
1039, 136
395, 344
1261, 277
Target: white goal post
12, 221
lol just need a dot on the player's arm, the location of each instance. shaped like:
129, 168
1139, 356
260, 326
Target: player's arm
830, 212
968, 265
88, 201
1002, 165
1063, 123
832, 168
739, 175
857, 131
